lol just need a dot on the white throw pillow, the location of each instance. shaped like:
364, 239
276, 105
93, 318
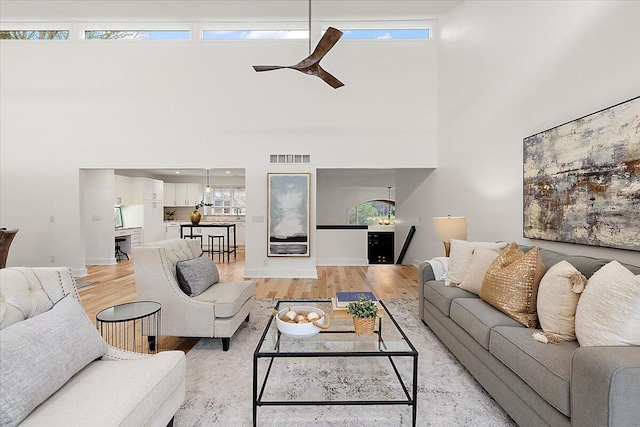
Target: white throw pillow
460, 259
608, 311
558, 296
40, 354
480, 261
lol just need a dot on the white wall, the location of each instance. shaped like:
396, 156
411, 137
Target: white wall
412, 201
128, 105
338, 190
506, 71
98, 216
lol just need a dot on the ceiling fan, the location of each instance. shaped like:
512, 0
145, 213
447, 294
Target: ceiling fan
311, 64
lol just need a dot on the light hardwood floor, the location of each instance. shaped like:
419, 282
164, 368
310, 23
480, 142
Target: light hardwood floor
116, 285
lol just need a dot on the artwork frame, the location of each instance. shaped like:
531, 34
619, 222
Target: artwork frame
288, 214
581, 180
117, 217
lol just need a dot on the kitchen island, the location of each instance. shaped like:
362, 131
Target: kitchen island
230, 227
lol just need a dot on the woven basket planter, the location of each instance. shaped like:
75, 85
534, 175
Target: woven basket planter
364, 325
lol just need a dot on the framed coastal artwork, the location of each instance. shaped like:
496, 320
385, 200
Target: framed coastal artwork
582, 180
288, 218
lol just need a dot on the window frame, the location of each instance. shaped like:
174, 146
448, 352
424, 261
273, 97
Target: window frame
83, 27
391, 203
220, 210
37, 26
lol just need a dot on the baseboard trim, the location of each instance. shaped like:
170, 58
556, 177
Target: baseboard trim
101, 261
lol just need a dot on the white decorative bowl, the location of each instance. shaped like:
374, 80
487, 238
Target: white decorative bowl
300, 330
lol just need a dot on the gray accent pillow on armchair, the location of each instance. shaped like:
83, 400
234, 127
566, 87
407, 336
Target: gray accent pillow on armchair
196, 275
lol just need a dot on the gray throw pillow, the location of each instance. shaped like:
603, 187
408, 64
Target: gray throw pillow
196, 275
39, 355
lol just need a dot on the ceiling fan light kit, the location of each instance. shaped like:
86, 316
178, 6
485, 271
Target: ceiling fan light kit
311, 64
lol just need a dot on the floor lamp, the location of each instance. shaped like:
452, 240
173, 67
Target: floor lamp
450, 227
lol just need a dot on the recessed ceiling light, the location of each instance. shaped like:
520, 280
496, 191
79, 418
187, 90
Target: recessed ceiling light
227, 171
177, 172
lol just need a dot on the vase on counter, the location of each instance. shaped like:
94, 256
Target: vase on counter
195, 216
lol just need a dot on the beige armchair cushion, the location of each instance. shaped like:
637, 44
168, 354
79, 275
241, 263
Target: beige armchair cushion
228, 296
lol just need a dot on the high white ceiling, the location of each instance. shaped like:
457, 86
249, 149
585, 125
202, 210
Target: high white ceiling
224, 10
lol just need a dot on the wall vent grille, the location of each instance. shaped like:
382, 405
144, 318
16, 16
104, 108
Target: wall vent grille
289, 158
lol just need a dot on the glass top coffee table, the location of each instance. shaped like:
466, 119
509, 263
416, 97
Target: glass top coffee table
338, 341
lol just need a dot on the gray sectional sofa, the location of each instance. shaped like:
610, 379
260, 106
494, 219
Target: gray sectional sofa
537, 384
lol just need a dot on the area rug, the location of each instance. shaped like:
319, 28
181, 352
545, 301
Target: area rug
220, 389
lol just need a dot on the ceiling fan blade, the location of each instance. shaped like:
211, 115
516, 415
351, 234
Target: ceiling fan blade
267, 67
329, 79
328, 40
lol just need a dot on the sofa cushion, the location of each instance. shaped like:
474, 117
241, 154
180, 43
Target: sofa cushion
546, 368
441, 296
115, 393
558, 295
477, 318
608, 311
511, 284
228, 297
40, 354
196, 275
584, 264
480, 262
460, 258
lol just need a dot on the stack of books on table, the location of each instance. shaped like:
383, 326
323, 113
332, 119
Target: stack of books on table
343, 299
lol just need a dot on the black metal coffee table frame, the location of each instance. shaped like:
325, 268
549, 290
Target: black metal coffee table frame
411, 396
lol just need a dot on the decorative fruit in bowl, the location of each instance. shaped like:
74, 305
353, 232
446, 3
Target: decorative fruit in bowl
301, 321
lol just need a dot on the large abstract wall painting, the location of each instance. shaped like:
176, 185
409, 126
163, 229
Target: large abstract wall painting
582, 180
288, 219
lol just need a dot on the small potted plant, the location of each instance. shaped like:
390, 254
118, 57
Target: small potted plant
364, 314
170, 215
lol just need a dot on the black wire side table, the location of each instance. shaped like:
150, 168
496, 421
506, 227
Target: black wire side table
124, 326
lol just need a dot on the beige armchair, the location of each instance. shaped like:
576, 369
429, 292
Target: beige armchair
215, 313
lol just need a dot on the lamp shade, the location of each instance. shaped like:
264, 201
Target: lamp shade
450, 227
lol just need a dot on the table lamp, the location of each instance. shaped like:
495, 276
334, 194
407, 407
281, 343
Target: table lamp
450, 227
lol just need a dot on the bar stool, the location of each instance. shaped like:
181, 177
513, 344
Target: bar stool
119, 253
195, 236
220, 250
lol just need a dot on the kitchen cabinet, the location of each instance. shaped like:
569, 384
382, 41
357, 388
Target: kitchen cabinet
169, 193
123, 187
188, 194
147, 189
171, 230
240, 233
132, 236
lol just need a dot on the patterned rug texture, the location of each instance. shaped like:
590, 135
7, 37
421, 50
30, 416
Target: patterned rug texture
220, 389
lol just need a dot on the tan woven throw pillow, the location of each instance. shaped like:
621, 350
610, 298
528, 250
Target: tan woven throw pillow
511, 284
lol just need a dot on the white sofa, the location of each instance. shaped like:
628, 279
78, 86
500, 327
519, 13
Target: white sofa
117, 389
215, 313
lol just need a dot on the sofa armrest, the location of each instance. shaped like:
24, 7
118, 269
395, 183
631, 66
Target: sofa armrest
425, 274
605, 385
117, 354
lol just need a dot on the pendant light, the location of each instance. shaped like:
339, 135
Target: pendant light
208, 190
